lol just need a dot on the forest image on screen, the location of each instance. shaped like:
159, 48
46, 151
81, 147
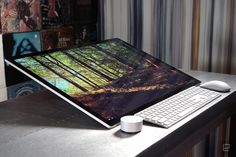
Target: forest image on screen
110, 78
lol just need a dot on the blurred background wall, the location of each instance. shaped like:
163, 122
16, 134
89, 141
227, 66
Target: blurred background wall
189, 34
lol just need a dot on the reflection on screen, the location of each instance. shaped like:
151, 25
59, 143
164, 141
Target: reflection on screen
109, 78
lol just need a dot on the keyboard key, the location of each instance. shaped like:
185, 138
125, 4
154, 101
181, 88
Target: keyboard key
162, 120
167, 123
186, 111
156, 118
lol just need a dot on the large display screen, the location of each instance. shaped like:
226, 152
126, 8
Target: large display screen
108, 80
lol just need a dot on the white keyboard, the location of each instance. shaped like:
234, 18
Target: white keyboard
171, 110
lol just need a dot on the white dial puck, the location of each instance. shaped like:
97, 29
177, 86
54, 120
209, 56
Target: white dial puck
131, 124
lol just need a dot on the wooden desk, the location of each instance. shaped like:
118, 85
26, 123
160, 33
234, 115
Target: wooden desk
44, 125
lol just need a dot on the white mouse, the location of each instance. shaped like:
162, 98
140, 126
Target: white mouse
216, 85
